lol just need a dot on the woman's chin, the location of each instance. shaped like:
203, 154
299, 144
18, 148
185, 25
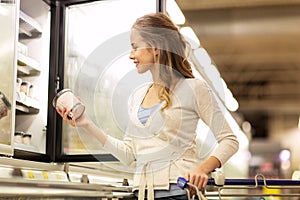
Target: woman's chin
141, 71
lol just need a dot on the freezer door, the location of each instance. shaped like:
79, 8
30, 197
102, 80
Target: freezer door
8, 40
97, 67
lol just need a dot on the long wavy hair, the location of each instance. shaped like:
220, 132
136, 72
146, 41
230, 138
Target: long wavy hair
159, 32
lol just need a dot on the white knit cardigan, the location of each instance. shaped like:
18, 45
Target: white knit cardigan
164, 148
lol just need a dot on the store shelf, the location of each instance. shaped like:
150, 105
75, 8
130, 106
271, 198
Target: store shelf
28, 27
26, 105
25, 147
24, 109
32, 189
27, 66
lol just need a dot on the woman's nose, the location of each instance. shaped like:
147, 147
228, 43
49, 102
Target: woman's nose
131, 55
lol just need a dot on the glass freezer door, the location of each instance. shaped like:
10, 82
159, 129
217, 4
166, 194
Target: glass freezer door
97, 67
8, 39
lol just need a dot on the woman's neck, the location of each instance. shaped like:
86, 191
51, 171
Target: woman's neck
160, 84
153, 95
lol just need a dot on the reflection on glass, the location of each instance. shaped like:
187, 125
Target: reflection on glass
7, 70
97, 66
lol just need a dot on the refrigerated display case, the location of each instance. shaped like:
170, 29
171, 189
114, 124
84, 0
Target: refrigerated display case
36, 60
26, 79
47, 49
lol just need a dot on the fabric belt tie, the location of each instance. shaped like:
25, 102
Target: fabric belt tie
149, 162
146, 180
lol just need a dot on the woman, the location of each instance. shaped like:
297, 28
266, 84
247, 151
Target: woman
163, 116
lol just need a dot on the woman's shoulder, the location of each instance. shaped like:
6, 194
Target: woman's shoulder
196, 83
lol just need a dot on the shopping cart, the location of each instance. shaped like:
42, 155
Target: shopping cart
259, 182
183, 184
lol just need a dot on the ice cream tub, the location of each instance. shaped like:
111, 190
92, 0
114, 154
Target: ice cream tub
66, 98
25, 85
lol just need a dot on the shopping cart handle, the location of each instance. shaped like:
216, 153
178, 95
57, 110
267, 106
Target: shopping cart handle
216, 180
182, 182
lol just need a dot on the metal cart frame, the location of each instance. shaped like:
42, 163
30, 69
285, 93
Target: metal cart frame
259, 182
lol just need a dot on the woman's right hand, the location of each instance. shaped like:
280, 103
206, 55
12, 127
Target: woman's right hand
82, 121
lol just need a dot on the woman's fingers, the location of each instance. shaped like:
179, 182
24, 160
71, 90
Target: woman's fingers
202, 182
65, 114
58, 111
199, 180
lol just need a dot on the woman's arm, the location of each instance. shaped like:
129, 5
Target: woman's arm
84, 122
213, 116
122, 149
210, 112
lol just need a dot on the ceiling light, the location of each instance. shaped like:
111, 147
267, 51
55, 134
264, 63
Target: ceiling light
285, 155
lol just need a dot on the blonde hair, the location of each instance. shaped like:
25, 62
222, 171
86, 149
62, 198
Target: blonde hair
160, 32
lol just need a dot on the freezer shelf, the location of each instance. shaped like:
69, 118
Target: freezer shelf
28, 66
19, 187
29, 28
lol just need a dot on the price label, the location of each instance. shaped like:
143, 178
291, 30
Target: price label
58, 176
30, 175
45, 175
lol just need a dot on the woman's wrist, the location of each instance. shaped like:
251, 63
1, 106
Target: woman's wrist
209, 165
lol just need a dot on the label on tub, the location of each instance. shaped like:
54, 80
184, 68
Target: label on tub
45, 175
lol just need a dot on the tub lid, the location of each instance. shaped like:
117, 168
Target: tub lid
58, 95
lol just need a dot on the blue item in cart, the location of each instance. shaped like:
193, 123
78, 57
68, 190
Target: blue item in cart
182, 182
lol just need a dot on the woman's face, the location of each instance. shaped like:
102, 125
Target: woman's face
141, 54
